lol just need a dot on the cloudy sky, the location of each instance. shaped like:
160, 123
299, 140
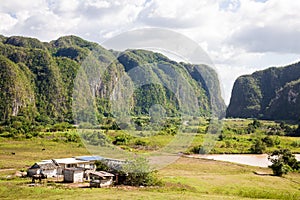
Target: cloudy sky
240, 36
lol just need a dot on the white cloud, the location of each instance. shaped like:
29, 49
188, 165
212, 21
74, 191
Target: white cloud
279, 38
7, 21
66, 8
275, 27
178, 14
239, 35
230, 5
15, 6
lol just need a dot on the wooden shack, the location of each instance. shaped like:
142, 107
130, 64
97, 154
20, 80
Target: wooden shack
100, 179
73, 175
47, 168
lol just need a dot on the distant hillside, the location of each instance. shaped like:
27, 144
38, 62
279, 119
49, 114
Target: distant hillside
43, 82
268, 94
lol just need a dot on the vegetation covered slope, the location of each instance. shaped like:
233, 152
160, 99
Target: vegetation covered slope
269, 94
73, 80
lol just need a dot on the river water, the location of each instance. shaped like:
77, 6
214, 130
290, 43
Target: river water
258, 160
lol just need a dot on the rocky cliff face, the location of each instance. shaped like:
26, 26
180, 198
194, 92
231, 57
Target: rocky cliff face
267, 94
71, 80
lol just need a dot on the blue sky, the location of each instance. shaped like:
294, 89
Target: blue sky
240, 36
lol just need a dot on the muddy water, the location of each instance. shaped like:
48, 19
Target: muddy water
260, 160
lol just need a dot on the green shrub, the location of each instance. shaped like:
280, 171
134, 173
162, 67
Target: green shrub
122, 139
258, 147
72, 137
296, 143
268, 141
101, 166
139, 173
197, 150
283, 161
95, 138
63, 126
141, 142
6, 134
85, 125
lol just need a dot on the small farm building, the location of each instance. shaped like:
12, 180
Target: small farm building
47, 168
100, 179
73, 163
73, 175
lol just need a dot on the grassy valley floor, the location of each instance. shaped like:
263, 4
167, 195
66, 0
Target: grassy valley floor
187, 178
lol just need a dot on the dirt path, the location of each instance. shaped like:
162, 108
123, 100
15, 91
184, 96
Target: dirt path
3, 170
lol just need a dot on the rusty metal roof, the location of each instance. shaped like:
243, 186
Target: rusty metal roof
101, 173
43, 166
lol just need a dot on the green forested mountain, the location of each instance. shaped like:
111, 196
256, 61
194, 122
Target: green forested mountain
71, 80
268, 94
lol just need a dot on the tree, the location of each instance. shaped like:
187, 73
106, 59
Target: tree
297, 131
253, 126
256, 123
283, 161
258, 147
268, 141
139, 173
101, 166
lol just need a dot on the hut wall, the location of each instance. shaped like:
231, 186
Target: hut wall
73, 175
